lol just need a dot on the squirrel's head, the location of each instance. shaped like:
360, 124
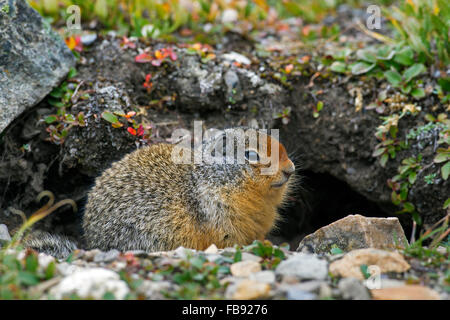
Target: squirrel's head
257, 151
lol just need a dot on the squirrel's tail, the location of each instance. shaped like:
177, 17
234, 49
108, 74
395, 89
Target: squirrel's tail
58, 246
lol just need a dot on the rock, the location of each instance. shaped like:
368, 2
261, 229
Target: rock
353, 289
88, 39
214, 257
250, 257
247, 290
244, 268
91, 283
355, 232
44, 260
183, 253
309, 286
234, 56
408, 292
234, 88
229, 16
153, 289
67, 269
293, 293
265, 276
304, 266
108, 256
325, 292
33, 59
212, 249
91, 254
391, 283
385, 261
4, 234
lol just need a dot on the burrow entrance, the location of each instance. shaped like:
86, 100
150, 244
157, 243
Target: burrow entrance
320, 200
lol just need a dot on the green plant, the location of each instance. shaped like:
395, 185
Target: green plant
20, 272
62, 121
197, 278
437, 235
429, 179
401, 183
317, 109
271, 255
424, 25
284, 115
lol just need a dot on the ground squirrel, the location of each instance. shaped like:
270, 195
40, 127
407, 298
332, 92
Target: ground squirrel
147, 201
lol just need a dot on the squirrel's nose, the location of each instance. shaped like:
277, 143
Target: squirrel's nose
289, 171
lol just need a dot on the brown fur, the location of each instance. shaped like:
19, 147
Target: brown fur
145, 201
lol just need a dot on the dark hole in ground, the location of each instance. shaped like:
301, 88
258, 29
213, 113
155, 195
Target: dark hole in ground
320, 200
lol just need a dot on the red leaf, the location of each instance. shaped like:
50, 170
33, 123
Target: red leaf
143, 58
131, 131
140, 130
173, 55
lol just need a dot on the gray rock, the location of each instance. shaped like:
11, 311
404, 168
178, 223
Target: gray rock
250, 257
265, 276
304, 266
106, 257
91, 283
33, 59
88, 39
353, 289
310, 286
294, 293
355, 232
4, 234
154, 289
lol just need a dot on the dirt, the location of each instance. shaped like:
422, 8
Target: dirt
333, 151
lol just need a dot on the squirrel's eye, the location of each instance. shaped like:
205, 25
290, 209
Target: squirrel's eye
252, 156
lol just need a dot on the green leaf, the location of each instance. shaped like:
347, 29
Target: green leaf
417, 218
72, 73
405, 56
365, 271
446, 204
378, 152
412, 177
445, 170
238, 255
57, 93
109, 296
338, 66
110, 117
418, 93
441, 157
383, 160
413, 71
278, 253
366, 55
445, 84
393, 77
362, 67
50, 271
408, 207
50, 119
31, 263
28, 278
319, 105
